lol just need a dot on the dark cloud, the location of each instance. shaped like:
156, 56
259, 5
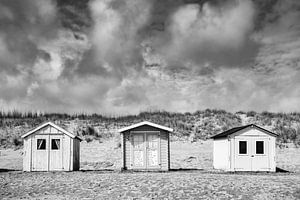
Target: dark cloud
265, 13
22, 26
115, 38
117, 56
74, 15
215, 33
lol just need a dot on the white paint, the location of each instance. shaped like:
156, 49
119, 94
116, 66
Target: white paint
250, 132
226, 154
48, 125
40, 158
56, 155
221, 154
63, 158
27, 154
145, 123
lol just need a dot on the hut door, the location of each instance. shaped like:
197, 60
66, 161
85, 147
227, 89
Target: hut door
260, 154
242, 157
55, 153
152, 150
251, 154
138, 149
40, 153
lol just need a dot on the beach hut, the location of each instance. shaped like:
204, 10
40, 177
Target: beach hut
245, 148
49, 147
146, 146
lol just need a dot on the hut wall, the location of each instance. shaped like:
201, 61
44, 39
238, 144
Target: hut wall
76, 159
27, 154
221, 154
163, 147
69, 147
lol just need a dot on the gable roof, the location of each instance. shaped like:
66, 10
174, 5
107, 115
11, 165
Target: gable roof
145, 123
236, 129
53, 125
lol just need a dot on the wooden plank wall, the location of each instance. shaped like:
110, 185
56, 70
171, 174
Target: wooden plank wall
76, 159
164, 157
127, 153
27, 154
164, 147
70, 153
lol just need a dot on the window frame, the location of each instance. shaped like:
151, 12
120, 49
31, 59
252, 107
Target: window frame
139, 143
59, 146
263, 142
37, 144
239, 149
152, 144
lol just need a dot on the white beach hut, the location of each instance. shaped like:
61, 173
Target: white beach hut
49, 147
245, 148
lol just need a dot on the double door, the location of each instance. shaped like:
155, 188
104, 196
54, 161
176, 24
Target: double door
251, 154
47, 153
145, 150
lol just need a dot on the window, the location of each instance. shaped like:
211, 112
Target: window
55, 143
41, 144
242, 147
138, 141
259, 147
152, 141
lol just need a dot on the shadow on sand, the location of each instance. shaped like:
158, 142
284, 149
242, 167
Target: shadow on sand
185, 169
278, 170
7, 170
281, 170
100, 171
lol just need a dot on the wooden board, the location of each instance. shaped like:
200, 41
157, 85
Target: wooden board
138, 151
40, 155
251, 160
152, 150
56, 153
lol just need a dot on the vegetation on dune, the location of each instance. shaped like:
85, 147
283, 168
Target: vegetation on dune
187, 126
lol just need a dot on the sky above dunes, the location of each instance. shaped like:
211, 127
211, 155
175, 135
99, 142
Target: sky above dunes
123, 57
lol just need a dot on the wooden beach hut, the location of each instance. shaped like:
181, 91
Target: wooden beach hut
49, 147
245, 148
146, 146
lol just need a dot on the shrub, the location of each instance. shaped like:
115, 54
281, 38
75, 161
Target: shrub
17, 141
88, 138
251, 113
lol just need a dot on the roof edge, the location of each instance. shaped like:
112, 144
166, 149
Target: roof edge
239, 129
220, 135
53, 125
145, 123
275, 134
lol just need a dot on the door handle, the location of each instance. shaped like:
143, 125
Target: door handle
252, 155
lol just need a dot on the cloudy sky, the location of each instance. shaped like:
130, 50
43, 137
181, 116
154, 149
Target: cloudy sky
123, 57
